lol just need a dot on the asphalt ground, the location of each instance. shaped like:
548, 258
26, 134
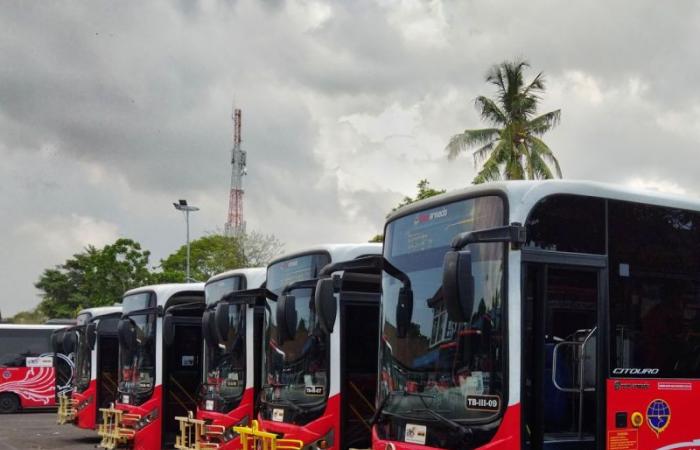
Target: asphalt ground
38, 430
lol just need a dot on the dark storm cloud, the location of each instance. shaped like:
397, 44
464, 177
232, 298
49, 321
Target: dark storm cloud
109, 111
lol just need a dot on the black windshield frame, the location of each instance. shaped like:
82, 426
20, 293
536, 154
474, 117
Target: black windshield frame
137, 394
442, 201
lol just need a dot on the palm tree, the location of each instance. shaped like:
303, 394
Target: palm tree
512, 149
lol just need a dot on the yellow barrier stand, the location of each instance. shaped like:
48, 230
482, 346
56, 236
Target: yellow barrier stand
253, 438
111, 431
66, 409
192, 432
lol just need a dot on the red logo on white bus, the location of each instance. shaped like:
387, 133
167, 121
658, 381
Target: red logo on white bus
428, 216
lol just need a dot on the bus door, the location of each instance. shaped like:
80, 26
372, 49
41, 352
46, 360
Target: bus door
359, 341
562, 359
107, 347
182, 356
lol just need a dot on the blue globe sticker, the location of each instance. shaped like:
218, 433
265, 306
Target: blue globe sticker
658, 415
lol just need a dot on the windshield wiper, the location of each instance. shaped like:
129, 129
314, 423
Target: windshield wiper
463, 431
391, 394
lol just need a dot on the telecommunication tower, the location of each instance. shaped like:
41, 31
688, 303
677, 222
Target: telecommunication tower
235, 225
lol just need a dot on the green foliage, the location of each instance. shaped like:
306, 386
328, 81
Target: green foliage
511, 149
28, 317
95, 277
209, 255
424, 191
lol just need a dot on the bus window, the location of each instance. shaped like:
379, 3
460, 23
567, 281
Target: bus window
17, 345
654, 291
568, 223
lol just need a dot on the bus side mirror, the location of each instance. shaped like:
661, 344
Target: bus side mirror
325, 304
70, 342
208, 329
168, 330
126, 331
91, 333
223, 322
458, 285
57, 341
286, 315
404, 311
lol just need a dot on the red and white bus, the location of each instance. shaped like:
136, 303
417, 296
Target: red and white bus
27, 375
319, 373
160, 360
542, 315
232, 327
94, 343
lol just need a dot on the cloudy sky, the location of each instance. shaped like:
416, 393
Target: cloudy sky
109, 111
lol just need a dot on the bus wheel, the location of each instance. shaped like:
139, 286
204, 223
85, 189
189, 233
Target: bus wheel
9, 403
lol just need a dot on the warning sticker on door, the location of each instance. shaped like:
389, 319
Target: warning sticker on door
278, 415
623, 440
415, 434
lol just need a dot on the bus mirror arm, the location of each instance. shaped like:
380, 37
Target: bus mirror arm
513, 233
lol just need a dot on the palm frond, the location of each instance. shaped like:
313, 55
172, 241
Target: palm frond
535, 86
543, 151
490, 111
470, 138
540, 169
483, 152
541, 124
495, 77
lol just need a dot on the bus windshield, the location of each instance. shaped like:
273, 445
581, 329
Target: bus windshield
456, 369
225, 362
137, 365
296, 370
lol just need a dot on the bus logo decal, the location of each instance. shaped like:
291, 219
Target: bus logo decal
658, 416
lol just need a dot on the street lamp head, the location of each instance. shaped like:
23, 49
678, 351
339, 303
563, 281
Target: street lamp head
182, 205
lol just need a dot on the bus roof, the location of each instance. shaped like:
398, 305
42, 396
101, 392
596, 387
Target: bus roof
255, 276
337, 252
17, 326
101, 311
523, 195
165, 291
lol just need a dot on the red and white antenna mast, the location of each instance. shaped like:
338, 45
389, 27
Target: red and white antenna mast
235, 225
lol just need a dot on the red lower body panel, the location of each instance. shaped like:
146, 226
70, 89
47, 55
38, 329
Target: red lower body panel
150, 436
314, 430
645, 414
35, 386
86, 416
228, 420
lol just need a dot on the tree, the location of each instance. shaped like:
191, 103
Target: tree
424, 191
512, 148
28, 317
209, 255
259, 249
94, 277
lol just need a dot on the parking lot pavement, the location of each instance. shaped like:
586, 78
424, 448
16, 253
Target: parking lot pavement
39, 431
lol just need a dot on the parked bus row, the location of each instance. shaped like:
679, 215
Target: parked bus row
532, 315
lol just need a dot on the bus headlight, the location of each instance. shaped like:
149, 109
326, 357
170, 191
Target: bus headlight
323, 443
145, 420
229, 434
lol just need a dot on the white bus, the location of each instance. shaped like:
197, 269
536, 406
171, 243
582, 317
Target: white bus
543, 315
94, 343
160, 360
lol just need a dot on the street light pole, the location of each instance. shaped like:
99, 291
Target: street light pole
182, 205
